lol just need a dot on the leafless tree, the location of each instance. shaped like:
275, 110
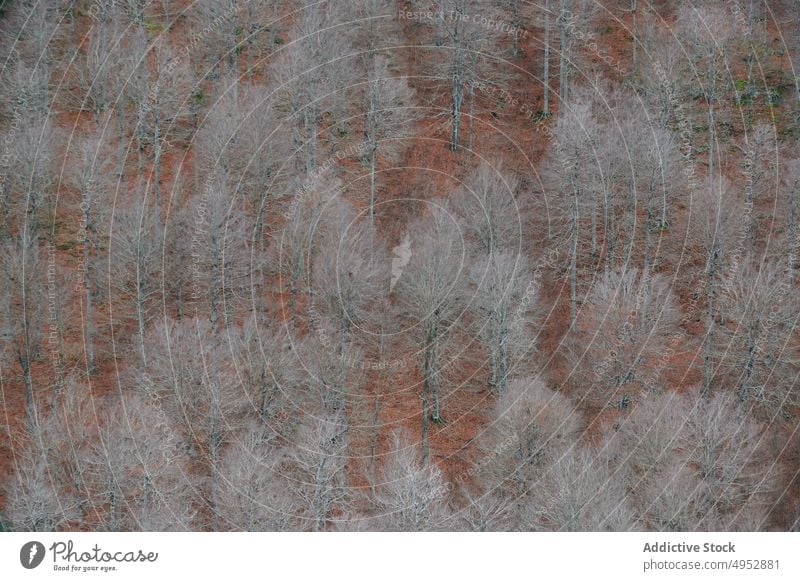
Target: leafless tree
429, 291
548, 18
314, 75
263, 141
503, 306
30, 32
463, 55
388, 117
100, 72
492, 510
240, 146
351, 270
220, 251
726, 449
663, 56
89, 171
515, 15
756, 348
708, 33
791, 184
22, 272
161, 91
572, 18
654, 156
190, 372
533, 426
570, 174
646, 438
663, 488
26, 89
265, 366
34, 502
31, 186
692, 463
226, 29
412, 494
488, 209
716, 226
319, 456
296, 243
223, 30
759, 148
135, 247
137, 470
48, 489
671, 500
330, 369
579, 493
623, 328
250, 492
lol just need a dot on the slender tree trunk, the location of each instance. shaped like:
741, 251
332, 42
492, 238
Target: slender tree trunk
607, 228
261, 275
372, 162
594, 228
292, 299
157, 173
87, 282
425, 408
563, 53
139, 169
515, 30
140, 296
708, 339
25, 365
747, 375
546, 105
498, 361
634, 32
457, 96
749, 190
430, 391
711, 138
648, 224
471, 119
311, 122
4, 210
213, 285
234, 60
113, 506
793, 239
145, 501
573, 262
121, 143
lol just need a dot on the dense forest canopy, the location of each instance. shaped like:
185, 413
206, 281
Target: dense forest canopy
274, 265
